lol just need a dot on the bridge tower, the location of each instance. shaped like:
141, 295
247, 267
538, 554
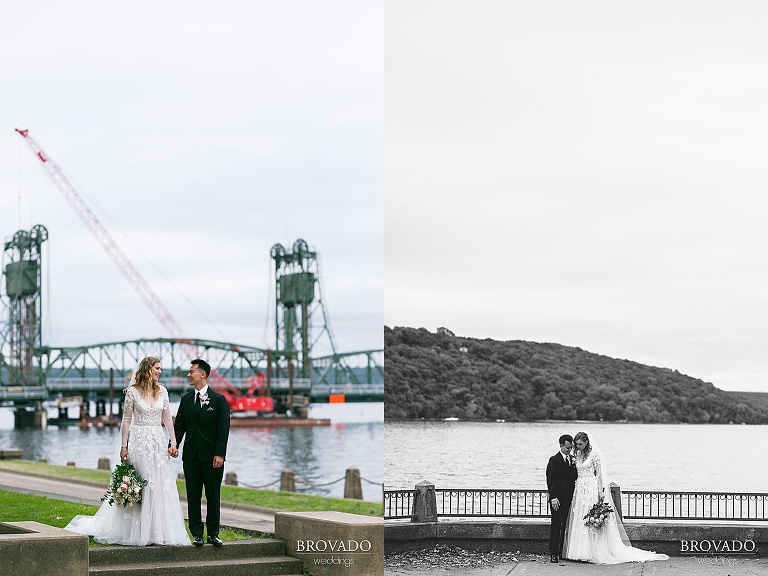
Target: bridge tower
297, 276
21, 361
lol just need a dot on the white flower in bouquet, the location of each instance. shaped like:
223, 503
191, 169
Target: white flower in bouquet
597, 516
125, 486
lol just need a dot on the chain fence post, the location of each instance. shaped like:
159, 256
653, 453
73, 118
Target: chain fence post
287, 481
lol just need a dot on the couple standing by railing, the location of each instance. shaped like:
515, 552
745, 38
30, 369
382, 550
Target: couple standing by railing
583, 526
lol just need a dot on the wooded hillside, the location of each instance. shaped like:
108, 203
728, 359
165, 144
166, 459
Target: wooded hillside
438, 375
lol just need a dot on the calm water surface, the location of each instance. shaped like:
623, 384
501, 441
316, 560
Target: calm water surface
317, 454
514, 455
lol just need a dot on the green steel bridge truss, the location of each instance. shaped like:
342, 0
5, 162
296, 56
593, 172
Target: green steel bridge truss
91, 367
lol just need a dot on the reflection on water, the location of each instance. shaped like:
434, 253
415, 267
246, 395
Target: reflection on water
317, 454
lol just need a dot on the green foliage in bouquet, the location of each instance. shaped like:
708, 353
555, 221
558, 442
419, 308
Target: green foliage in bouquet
597, 516
125, 486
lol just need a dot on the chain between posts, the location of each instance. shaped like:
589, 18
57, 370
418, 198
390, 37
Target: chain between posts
305, 482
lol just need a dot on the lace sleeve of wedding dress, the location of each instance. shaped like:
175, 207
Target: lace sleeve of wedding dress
597, 461
167, 420
127, 416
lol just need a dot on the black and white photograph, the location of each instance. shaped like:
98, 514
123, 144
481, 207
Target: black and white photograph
575, 314
192, 287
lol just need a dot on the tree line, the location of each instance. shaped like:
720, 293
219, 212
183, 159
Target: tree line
438, 375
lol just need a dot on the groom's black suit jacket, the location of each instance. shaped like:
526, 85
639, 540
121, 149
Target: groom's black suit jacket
560, 479
206, 428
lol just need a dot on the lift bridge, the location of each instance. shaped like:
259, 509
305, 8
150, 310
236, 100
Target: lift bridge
31, 372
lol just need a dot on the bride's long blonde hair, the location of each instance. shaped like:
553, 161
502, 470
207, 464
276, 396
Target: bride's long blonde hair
144, 377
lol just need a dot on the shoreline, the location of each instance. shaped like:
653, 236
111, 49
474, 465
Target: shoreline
589, 422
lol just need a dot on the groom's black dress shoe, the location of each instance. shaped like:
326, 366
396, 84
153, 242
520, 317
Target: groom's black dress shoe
215, 540
198, 541
553, 559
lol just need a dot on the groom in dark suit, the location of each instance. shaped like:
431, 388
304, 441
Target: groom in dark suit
561, 479
203, 417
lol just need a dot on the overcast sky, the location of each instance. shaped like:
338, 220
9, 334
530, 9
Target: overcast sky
201, 134
592, 174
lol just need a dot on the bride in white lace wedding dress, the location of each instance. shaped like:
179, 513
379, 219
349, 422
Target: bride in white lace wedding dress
608, 544
159, 518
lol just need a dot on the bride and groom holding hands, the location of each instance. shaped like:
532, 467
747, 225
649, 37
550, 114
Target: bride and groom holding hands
577, 480
202, 420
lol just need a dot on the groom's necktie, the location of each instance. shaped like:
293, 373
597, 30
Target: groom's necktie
568, 461
197, 399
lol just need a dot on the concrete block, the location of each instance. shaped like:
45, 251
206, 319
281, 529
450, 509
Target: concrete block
530, 535
35, 549
332, 543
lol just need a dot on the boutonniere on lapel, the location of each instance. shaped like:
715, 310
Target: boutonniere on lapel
203, 400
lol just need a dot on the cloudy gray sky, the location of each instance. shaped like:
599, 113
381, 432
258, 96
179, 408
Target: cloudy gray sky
200, 133
587, 173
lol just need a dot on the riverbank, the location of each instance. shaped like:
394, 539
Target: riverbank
267, 501
318, 455
563, 422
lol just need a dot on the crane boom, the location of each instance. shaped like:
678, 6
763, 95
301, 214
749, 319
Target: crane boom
127, 268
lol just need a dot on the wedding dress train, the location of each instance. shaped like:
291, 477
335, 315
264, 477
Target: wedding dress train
603, 545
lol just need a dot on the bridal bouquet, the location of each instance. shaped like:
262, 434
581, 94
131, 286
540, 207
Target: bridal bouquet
597, 516
125, 486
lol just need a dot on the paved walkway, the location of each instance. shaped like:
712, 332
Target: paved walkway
442, 560
234, 515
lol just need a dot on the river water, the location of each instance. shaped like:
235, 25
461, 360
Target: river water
503, 455
317, 454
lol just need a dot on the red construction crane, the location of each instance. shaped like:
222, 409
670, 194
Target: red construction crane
237, 401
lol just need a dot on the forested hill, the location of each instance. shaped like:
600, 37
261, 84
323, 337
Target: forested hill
438, 375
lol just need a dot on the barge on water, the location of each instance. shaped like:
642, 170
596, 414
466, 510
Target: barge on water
292, 411
239, 420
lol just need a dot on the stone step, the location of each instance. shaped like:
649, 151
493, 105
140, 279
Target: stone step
269, 566
232, 549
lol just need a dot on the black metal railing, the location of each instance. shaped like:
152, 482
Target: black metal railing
472, 502
398, 504
694, 505
645, 505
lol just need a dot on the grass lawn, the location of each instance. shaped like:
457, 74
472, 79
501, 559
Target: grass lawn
17, 507
283, 501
